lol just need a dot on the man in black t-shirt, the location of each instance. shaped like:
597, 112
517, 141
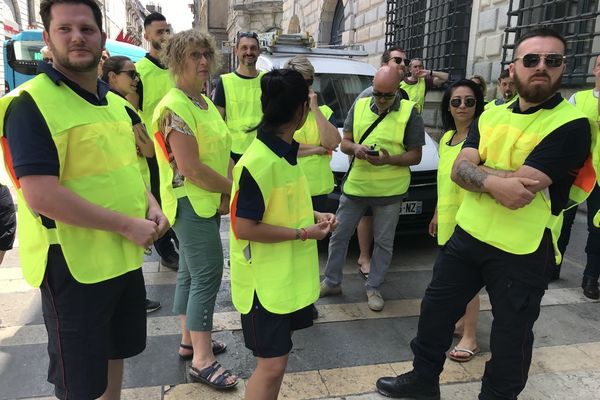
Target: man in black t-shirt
237, 95
81, 243
517, 183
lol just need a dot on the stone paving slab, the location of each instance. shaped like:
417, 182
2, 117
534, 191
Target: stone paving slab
555, 381
230, 321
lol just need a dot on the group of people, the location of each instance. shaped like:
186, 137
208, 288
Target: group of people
96, 190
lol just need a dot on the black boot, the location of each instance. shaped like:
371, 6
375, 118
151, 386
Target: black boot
409, 386
590, 288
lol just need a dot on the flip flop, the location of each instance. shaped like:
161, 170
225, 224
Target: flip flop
365, 275
217, 348
469, 357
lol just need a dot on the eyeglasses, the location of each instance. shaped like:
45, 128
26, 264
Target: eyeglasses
252, 35
197, 55
310, 81
552, 60
386, 96
133, 74
468, 102
400, 60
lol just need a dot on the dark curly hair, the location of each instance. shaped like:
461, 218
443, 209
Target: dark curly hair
447, 119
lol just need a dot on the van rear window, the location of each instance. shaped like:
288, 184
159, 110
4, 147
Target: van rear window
339, 91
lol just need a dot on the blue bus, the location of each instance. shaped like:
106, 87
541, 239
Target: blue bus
22, 55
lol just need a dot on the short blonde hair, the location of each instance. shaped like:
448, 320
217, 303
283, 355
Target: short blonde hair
301, 64
179, 45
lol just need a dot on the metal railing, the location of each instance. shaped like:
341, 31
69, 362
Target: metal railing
574, 19
435, 30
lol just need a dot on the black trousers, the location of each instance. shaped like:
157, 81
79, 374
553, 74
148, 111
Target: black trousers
592, 248
516, 285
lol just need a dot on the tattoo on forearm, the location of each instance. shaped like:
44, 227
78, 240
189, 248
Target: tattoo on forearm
470, 174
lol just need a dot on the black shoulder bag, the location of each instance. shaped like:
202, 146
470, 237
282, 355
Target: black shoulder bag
362, 139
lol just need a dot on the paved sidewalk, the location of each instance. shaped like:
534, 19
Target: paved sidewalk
341, 356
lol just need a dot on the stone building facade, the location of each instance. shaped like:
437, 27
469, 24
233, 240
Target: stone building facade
489, 29
135, 22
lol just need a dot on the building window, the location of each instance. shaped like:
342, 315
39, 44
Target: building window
435, 30
574, 19
337, 26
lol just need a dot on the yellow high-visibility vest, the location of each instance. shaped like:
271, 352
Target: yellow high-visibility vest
316, 167
156, 82
416, 92
96, 153
214, 145
588, 104
284, 275
450, 195
506, 139
242, 109
367, 180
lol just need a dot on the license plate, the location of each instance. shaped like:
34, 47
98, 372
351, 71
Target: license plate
411, 207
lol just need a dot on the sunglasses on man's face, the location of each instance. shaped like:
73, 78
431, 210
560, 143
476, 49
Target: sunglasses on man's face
132, 73
400, 60
386, 96
532, 60
468, 102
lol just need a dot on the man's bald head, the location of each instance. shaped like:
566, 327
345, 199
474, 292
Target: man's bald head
385, 87
386, 79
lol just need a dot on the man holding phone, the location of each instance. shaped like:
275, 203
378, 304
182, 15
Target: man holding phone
384, 134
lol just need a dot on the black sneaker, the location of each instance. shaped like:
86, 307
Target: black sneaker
171, 262
409, 386
152, 305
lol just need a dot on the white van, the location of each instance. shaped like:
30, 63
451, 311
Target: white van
339, 79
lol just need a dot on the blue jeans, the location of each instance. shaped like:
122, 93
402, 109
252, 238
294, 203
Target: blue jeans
386, 212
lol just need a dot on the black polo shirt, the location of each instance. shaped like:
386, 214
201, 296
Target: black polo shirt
559, 155
250, 201
31, 146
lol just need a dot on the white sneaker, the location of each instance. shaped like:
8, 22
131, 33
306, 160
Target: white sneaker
326, 290
375, 301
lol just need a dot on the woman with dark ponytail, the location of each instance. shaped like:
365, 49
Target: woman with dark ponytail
273, 250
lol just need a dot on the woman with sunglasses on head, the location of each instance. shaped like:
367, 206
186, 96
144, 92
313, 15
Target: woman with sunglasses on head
192, 144
273, 249
462, 103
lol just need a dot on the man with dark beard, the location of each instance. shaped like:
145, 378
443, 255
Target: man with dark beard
155, 82
237, 95
84, 213
518, 164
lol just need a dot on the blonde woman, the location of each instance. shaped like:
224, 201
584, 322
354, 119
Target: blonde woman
195, 179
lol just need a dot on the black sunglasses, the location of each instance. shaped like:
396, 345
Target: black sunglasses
552, 60
252, 35
310, 81
400, 60
468, 102
384, 95
132, 73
